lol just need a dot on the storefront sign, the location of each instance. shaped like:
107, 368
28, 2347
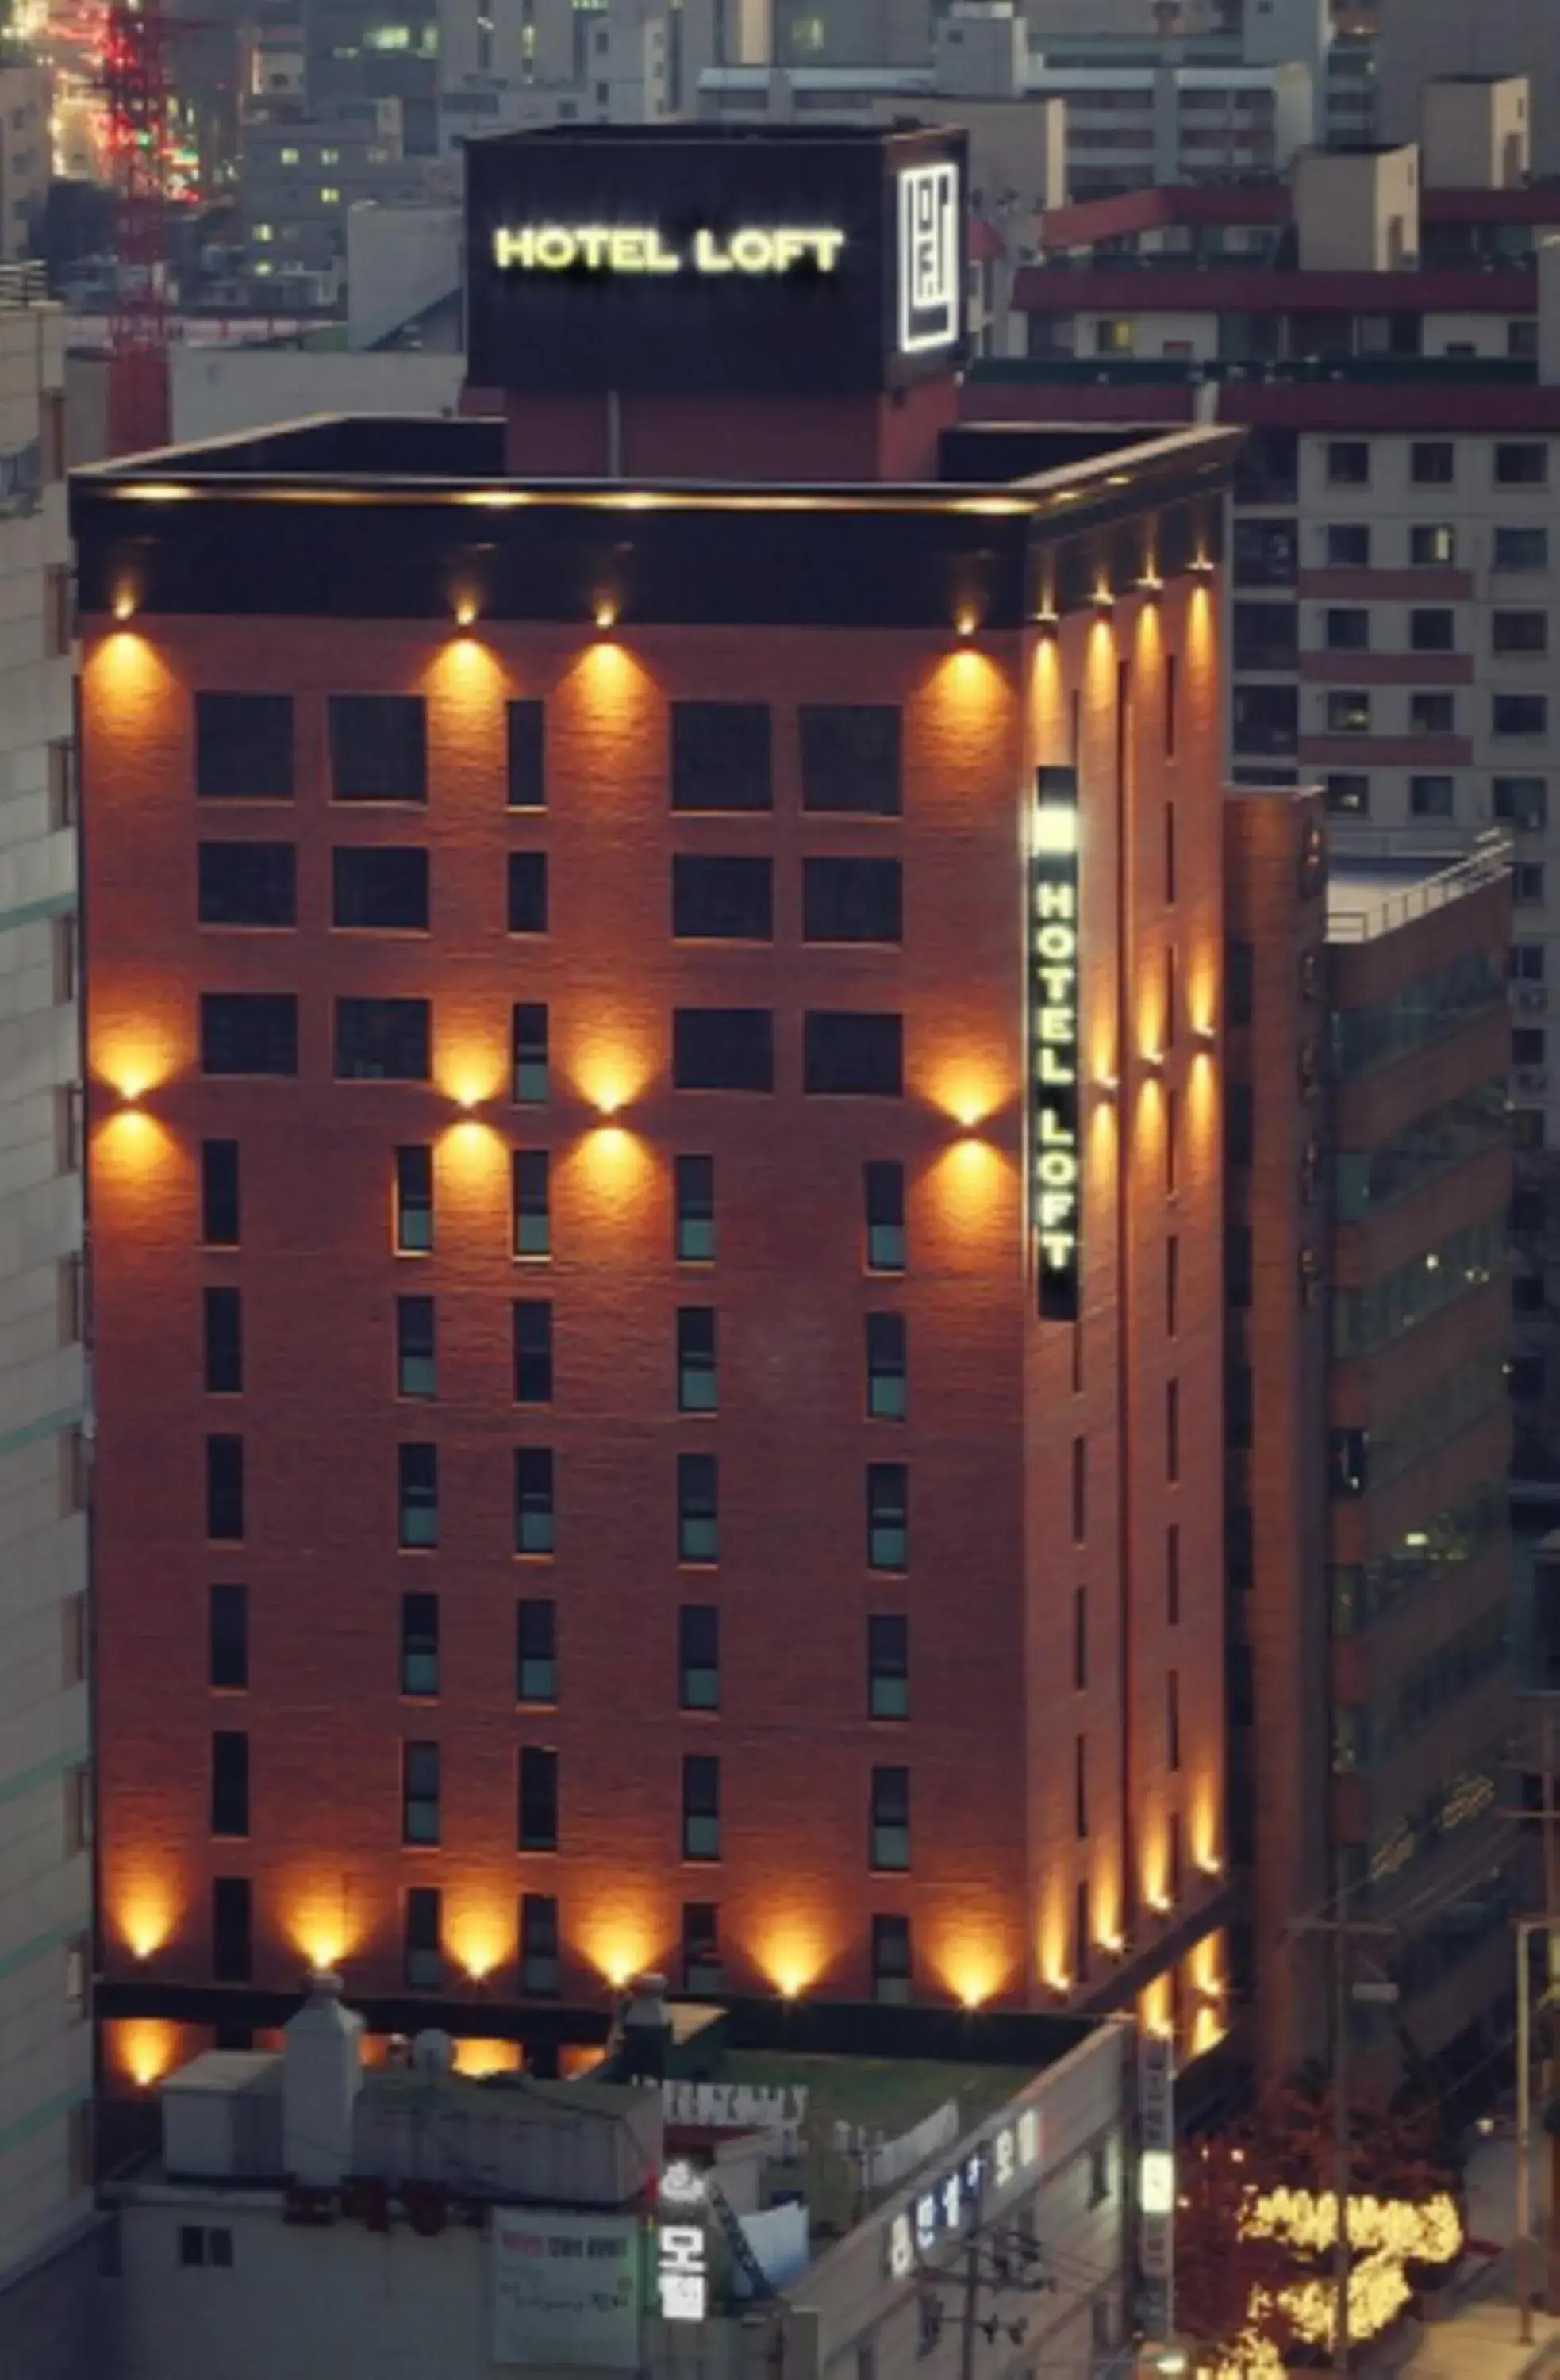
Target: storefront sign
682, 2270
641, 248
1156, 2182
930, 259
1055, 1154
946, 2208
565, 2289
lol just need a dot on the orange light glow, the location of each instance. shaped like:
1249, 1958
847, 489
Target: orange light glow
131, 1142
479, 1941
619, 1947
972, 1972
471, 1076
611, 1072
145, 2048
1156, 2008
132, 1060
465, 612
605, 615
968, 1089
317, 1922
479, 2058
792, 1956
146, 1918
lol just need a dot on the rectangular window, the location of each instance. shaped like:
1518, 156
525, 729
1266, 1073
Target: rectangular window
1519, 715
1349, 545
535, 1526
1171, 1721
1526, 883
1348, 463
1080, 1786
1172, 1431
230, 1783
1521, 549
1348, 712
222, 1319
1171, 1286
247, 884
884, 1185
416, 1347
419, 1792
703, 1969
536, 1649
700, 1806
533, 1351
889, 1845
65, 791
891, 1962
248, 1033
414, 1200
224, 1489
232, 1948
696, 1209
853, 1052
851, 901
380, 888
722, 1049
1172, 711
721, 757
528, 1045
1079, 1490
1432, 797
888, 1492
530, 1179
1173, 1574
1432, 632
698, 1509
1347, 631
886, 1399
379, 747
219, 1194
244, 747
1433, 463
420, 1645
417, 1495
423, 1962
717, 898
888, 1665
527, 891
699, 1657
528, 756
1519, 632
1080, 1638
539, 1940
383, 1041
228, 1637
1433, 714
851, 758
1521, 801
1521, 465
1432, 545
697, 1385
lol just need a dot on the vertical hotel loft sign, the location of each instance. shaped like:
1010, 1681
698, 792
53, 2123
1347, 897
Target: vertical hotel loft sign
1056, 1168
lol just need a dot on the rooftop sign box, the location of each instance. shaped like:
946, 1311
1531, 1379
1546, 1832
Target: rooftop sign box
687, 259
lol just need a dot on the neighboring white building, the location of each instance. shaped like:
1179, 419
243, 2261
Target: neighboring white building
26, 160
1421, 38
45, 1792
777, 2207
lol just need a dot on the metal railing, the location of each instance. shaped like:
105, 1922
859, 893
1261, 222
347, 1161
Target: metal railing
1384, 912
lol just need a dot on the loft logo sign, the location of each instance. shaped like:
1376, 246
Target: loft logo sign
1055, 1170
643, 248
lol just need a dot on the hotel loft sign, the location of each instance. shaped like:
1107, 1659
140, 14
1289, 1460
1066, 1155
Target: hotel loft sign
643, 248
1056, 1166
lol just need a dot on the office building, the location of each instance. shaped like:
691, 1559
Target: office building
719, 1463
45, 1783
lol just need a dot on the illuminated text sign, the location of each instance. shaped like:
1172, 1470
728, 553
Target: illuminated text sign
930, 258
1156, 2183
641, 248
1056, 1164
945, 2210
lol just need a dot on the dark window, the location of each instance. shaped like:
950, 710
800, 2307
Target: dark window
1239, 975
1266, 720
219, 1194
1264, 635
1347, 631
891, 1960
416, 1347
536, 1650
886, 1366
698, 1509
419, 1644
414, 1200
1348, 463
230, 1783
1171, 1286
1432, 797
538, 1799
890, 1825
1521, 549
1080, 1489
853, 1051
224, 1487
1172, 1429
247, 884
1080, 1637
1349, 545
228, 1636
533, 1351
1171, 1721
417, 1495
699, 1656
702, 1970
532, 1204
722, 1049
232, 1951
528, 1040
721, 757
380, 885
424, 1953
1519, 715
527, 891
887, 1516
539, 1944
535, 1522
379, 747
851, 901
222, 1315
722, 899
419, 1793
1432, 545
1432, 632
1433, 714
700, 1806
1526, 883
1348, 712
528, 762
1080, 1786
1433, 461
1521, 465
191, 2243
244, 747
888, 1665
851, 758
1525, 963
884, 1185
248, 1033
381, 1041
1519, 632
696, 1209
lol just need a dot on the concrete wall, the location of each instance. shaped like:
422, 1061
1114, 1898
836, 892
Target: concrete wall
1421, 38
246, 388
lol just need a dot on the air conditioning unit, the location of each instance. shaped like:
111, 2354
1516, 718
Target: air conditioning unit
1532, 998
1531, 1082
